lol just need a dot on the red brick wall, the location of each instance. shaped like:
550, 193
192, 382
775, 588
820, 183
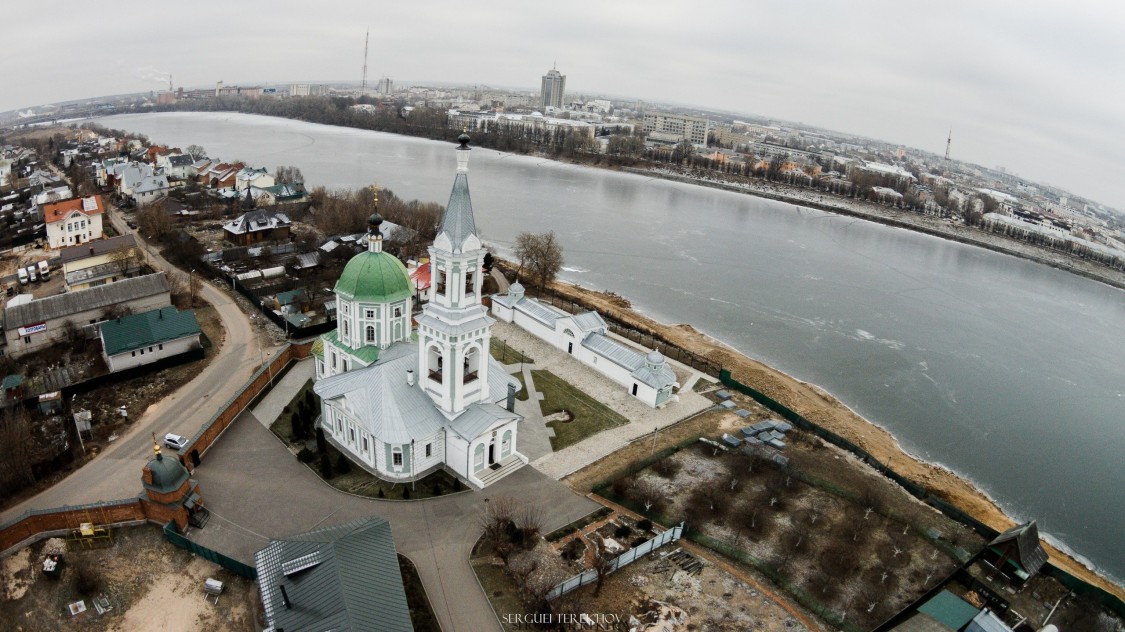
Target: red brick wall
295, 351
139, 509
70, 519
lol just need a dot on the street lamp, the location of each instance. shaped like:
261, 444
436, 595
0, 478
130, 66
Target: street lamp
191, 287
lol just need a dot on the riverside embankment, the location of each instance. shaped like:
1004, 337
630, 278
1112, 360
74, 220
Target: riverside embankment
821, 408
909, 220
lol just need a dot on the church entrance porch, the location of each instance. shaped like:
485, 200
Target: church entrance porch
499, 470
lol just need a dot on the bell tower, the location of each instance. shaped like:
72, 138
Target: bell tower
454, 330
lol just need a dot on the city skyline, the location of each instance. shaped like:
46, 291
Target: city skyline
1033, 90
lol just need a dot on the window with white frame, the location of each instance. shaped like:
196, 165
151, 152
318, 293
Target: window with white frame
396, 457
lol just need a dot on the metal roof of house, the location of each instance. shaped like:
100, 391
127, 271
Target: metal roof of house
987, 621
158, 326
344, 577
180, 160
949, 609
1032, 557
52, 307
255, 221
97, 247
458, 223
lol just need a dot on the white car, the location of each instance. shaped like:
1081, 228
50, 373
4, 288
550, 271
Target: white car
175, 441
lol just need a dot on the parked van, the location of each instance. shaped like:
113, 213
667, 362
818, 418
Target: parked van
22, 274
31, 274
44, 270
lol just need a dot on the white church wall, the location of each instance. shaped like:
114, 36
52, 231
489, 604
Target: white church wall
456, 454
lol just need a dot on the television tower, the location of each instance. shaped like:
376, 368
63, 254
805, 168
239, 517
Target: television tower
363, 86
948, 142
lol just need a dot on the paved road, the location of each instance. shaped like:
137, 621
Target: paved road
116, 472
256, 490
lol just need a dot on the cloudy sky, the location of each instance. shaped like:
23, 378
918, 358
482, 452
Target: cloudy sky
1036, 87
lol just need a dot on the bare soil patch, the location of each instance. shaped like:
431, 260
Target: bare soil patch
149, 583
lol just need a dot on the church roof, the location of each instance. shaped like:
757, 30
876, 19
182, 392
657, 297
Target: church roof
458, 223
167, 474
374, 277
393, 411
390, 409
476, 419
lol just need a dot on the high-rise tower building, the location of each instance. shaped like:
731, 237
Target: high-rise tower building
554, 85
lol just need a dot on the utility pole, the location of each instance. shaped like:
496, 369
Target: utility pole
363, 85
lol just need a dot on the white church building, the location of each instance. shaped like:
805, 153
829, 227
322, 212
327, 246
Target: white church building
585, 336
402, 403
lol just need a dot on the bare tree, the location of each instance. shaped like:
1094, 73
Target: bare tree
602, 562
497, 522
287, 174
153, 221
540, 254
196, 151
125, 261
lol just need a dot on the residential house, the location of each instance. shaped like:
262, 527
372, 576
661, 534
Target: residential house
73, 221
1016, 553
41, 322
100, 262
52, 195
345, 578
221, 175
150, 189
585, 336
136, 339
256, 226
251, 177
177, 166
292, 301
278, 194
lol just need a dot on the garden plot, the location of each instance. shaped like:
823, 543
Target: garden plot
802, 532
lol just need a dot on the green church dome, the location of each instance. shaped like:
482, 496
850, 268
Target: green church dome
375, 277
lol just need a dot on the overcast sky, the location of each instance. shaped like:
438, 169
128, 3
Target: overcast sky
1036, 87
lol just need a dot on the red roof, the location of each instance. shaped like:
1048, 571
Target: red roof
60, 210
421, 276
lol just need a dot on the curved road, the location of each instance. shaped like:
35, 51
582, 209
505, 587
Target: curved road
116, 472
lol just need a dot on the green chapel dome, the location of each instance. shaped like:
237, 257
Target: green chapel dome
375, 277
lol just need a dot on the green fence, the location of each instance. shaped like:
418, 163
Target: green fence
175, 537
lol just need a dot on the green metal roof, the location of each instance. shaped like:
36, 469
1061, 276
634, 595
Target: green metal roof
12, 381
374, 277
318, 348
950, 610
167, 474
149, 328
368, 354
340, 578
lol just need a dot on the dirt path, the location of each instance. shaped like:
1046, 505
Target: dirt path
821, 408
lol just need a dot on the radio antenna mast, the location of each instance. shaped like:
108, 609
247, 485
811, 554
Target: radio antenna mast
363, 86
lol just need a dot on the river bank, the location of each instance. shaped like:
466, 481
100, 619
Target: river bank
908, 220
822, 408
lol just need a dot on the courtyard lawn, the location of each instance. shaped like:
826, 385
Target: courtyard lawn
588, 416
523, 394
283, 425
507, 355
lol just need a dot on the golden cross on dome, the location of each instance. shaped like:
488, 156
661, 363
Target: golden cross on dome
376, 188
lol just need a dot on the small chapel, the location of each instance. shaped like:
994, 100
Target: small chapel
400, 400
